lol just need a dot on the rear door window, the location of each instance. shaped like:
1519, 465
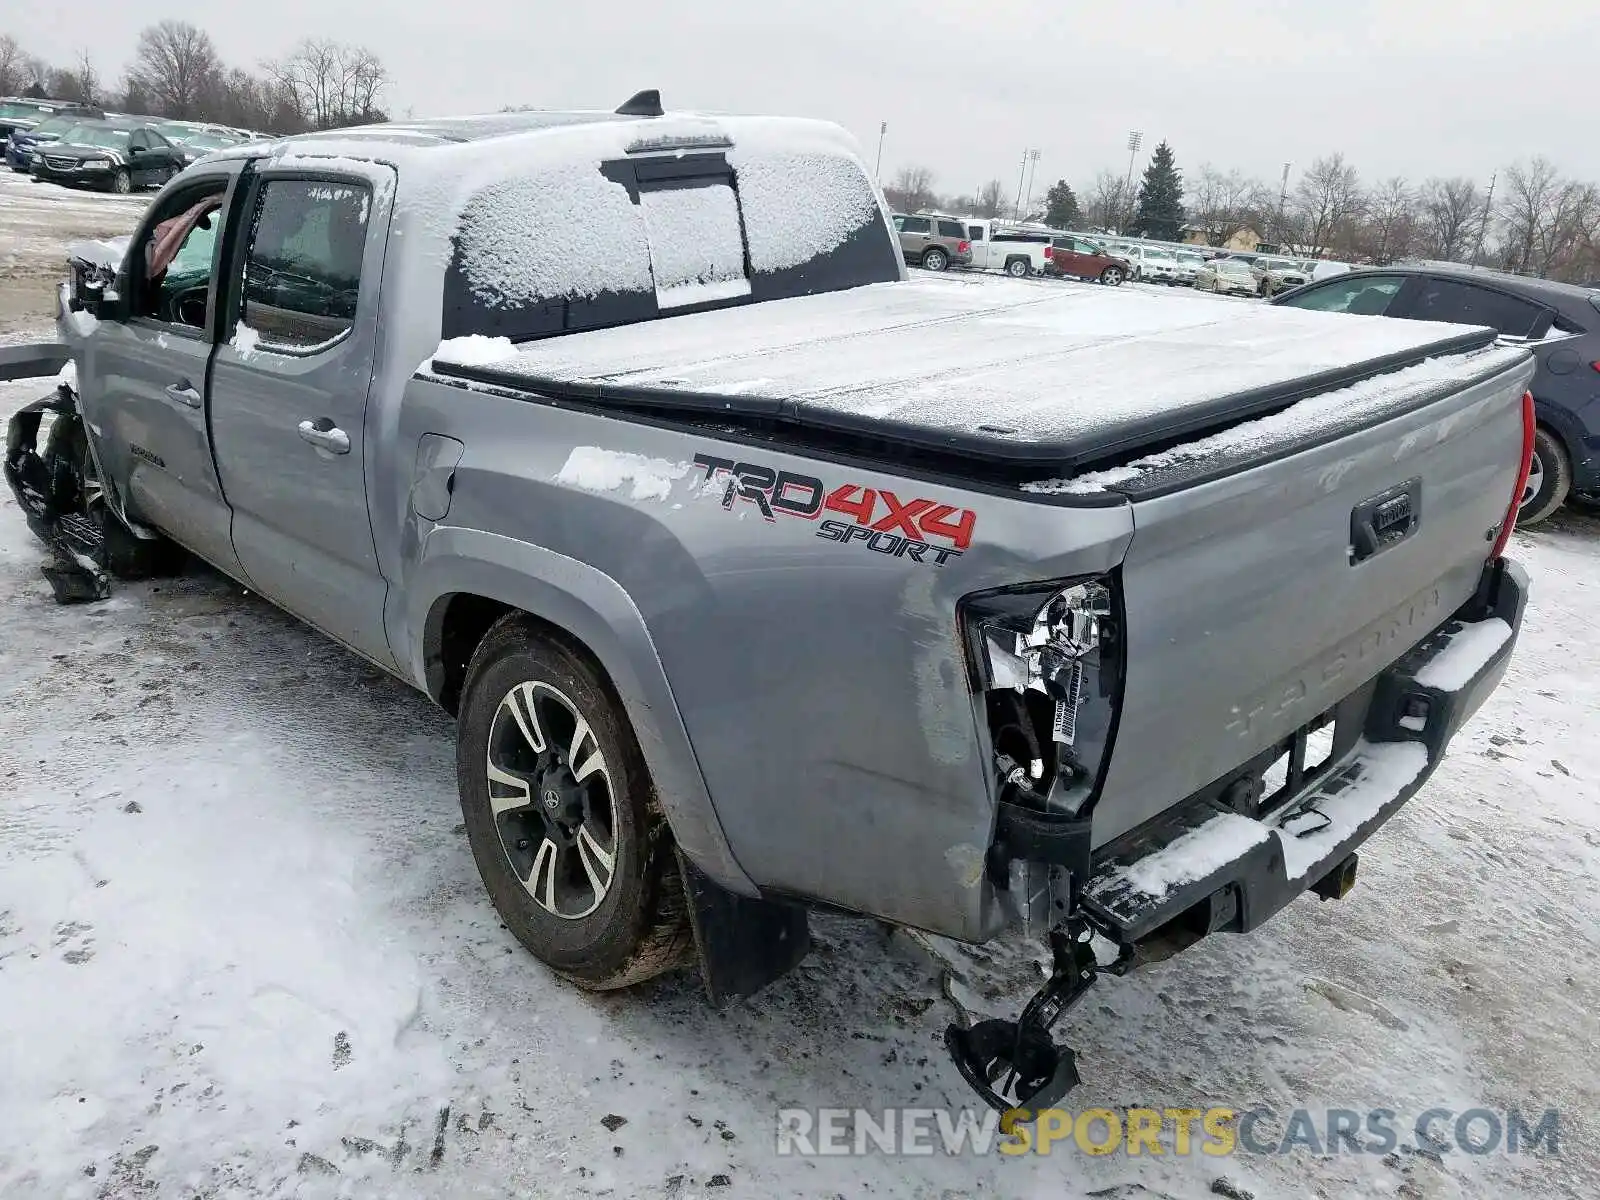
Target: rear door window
1363, 295
1463, 303
302, 273
951, 229
975, 232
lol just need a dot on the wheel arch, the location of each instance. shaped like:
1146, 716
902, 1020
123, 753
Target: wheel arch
467, 580
1568, 431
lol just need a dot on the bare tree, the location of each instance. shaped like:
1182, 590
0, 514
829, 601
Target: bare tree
88, 79
912, 189
992, 199
1449, 211
1225, 204
12, 65
332, 84
174, 66
1327, 198
1108, 201
1547, 218
1391, 227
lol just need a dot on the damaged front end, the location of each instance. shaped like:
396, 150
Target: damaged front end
57, 486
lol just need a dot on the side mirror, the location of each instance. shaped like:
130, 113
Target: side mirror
135, 151
94, 291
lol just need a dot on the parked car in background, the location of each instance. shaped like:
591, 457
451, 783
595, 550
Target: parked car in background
1156, 264
197, 145
1080, 258
1188, 265
21, 142
112, 155
22, 113
933, 242
1274, 275
1226, 276
1018, 250
1559, 322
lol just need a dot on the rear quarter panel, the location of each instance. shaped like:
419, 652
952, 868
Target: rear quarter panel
822, 684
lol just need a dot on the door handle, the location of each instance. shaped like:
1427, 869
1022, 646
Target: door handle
325, 435
183, 393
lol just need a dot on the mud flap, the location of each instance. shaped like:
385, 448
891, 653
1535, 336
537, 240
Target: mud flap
742, 944
49, 491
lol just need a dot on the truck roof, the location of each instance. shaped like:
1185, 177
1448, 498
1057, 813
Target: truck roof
999, 370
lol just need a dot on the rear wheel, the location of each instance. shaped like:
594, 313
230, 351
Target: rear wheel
1549, 479
1018, 268
935, 260
561, 814
1112, 277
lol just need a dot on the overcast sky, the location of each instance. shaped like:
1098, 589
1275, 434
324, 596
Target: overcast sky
1410, 87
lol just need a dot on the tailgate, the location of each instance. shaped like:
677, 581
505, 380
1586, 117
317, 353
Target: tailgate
1253, 608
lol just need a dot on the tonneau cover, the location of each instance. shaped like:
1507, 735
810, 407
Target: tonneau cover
1005, 370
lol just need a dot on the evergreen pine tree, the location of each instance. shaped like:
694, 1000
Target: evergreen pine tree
1160, 212
1061, 209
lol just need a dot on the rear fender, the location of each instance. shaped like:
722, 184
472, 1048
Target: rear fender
592, 607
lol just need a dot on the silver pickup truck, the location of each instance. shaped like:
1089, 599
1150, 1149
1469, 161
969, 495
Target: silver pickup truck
760, 577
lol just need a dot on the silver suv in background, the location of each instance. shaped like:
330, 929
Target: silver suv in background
933, 242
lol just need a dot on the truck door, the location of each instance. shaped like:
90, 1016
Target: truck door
289, 395
143, 388
978, 234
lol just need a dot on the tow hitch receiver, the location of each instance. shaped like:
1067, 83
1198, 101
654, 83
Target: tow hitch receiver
1016, 1064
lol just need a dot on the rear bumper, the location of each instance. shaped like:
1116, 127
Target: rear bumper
1214, 869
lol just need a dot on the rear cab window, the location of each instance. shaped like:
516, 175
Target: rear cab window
582, 244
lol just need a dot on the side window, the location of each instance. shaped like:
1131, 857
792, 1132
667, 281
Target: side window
302, 271
1465, 304
178, 256
916, 225
1364, 295
139, 141
951, 229
975, 232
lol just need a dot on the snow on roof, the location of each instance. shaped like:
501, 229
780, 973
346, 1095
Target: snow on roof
1041, 366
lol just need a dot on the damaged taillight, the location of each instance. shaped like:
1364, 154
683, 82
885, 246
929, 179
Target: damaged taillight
1048, 662
1530, 426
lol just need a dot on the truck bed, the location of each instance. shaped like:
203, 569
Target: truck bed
1006, 371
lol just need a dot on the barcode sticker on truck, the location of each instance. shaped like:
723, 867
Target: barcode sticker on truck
1065, 728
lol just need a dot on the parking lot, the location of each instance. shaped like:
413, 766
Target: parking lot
244, 949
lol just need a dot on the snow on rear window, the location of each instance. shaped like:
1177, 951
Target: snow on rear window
696, 247
564, 231
800, 204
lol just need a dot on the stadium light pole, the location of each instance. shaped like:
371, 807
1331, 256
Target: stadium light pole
1135, 140
1033, 161
877, 172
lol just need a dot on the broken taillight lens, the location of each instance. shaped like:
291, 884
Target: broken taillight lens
1529, 427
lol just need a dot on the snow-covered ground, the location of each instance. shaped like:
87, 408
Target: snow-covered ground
244, 951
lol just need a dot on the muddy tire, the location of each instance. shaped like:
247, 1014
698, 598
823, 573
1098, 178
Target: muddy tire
1549, 479
561, 814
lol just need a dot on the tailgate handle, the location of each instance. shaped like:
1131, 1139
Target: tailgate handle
1385, 520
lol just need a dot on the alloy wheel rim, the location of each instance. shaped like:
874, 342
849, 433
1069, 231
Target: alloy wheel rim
552, 801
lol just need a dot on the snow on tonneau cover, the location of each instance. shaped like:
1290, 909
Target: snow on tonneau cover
1004, 369
1248, 614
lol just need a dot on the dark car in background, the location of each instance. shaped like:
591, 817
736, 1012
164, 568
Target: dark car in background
113, 155
1559, 322
22, 142
23, 113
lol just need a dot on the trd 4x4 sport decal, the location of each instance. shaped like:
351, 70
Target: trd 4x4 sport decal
919, 529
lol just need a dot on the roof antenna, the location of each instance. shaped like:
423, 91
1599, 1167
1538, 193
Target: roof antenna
642, 104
